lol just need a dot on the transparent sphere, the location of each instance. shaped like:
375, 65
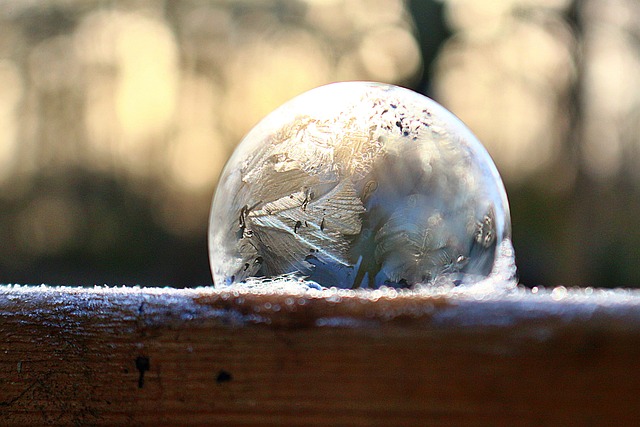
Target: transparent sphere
360, 185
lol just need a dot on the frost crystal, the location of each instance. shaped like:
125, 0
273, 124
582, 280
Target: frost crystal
360, 185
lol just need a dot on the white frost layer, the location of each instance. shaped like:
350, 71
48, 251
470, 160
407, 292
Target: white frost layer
254, 304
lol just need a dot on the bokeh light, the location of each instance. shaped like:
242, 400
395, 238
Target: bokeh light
117, 117
505, 73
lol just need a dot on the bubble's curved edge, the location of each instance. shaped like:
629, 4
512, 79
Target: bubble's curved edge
366, 89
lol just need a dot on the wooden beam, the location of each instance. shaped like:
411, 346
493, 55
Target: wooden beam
132, 356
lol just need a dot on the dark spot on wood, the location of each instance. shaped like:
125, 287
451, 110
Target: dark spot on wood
223, 377
590, 347
246, 266
295, 227
141, 308
143, 364
322, 224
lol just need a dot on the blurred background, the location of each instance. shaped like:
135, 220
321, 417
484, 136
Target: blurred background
116, 118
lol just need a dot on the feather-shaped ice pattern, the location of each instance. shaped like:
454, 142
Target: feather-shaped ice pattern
360, 185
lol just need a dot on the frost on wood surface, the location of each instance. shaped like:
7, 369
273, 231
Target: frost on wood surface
285, 302
137, 356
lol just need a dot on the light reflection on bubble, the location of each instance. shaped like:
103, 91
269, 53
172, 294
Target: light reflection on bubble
360, 185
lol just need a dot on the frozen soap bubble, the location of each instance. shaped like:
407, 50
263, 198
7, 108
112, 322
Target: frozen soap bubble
360, 185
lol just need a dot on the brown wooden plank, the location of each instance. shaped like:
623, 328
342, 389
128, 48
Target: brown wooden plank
80, 356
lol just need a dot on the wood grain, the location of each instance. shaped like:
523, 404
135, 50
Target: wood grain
131, 356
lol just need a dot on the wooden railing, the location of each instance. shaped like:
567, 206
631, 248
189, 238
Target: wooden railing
131, 356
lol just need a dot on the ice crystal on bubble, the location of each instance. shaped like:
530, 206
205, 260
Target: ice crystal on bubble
360, 185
